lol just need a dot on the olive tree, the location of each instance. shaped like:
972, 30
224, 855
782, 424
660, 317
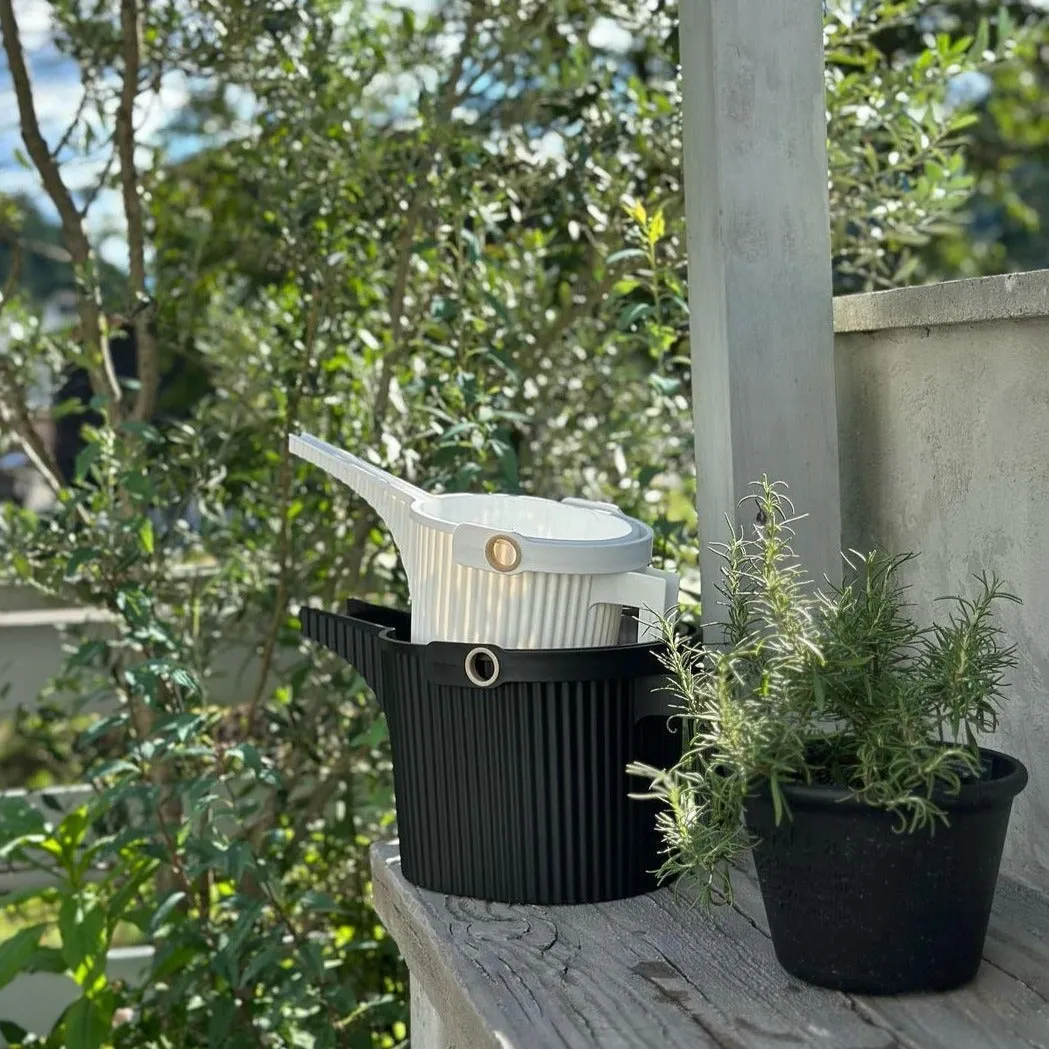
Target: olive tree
452, 242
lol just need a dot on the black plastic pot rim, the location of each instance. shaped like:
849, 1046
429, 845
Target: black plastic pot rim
445, 660
998, 790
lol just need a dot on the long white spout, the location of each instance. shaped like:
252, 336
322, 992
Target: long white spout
389, 496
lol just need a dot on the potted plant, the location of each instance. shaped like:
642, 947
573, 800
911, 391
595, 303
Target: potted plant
837, 738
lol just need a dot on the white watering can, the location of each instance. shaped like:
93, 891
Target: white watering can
510, 570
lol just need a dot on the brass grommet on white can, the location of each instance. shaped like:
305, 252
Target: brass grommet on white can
502, 553
482, 667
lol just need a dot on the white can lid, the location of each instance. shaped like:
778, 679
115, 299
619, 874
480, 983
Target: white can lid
520, 533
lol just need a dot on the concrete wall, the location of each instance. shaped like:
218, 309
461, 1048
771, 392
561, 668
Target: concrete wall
943, 416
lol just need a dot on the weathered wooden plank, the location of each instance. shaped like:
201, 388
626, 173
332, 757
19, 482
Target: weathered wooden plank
1018, 939
655, 972
647, 973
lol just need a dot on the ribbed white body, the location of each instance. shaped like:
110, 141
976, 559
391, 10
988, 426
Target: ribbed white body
451, 602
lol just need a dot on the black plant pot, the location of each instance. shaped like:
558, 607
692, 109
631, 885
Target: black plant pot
854, 904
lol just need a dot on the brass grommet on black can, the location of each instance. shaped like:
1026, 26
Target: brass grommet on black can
482, 667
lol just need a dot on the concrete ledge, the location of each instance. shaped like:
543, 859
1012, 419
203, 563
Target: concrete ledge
55, 617
1013, 296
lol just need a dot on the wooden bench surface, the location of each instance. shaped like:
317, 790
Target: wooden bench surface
655, 972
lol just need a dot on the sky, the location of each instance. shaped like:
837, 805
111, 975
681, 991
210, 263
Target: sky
57, 92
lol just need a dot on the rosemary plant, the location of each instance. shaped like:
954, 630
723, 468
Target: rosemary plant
835, 685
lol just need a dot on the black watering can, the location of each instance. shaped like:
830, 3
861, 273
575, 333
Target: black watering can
510, 765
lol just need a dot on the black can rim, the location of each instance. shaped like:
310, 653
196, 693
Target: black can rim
1009, 780
448, 661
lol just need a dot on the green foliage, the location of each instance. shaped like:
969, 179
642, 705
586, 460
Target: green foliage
43, 267
838, 687
453, 242
899, 175
423, 288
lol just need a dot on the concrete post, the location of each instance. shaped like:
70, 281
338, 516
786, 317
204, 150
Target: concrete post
759, 268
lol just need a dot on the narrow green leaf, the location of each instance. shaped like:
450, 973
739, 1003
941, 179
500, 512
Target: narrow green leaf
145, 535
777, 800
46, 960
83, 928
86, 1026
172, 960
220, 1021
102, 727
318, 902
657, 228
260, 961
125, 895
982, 40
86, 459
632, 314
87, 654
160, 915
79, 557
371, 737
622, 256
71, 831
17, 951
224, 965
12, 1033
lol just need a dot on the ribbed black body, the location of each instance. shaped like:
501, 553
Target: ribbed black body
517, 792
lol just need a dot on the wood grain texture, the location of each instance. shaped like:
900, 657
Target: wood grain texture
656, 973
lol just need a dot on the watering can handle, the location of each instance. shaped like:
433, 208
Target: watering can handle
651, 591
353, 471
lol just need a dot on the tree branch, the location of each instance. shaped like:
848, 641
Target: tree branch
51, 252
72, 125
403, 257
14, 412
100, 183
406, 236
13, 276
92, 320
148, 369
15, 416
285, 477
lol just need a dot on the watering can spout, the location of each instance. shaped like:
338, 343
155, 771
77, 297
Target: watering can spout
357, 635
388, 496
